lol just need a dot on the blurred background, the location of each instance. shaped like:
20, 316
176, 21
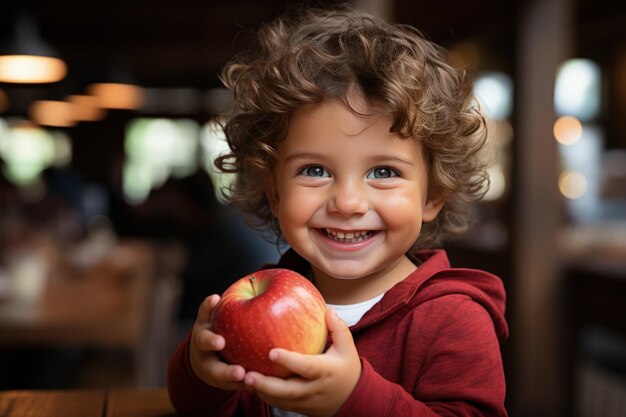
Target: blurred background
112, 229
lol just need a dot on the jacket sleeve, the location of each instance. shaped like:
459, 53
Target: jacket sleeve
462, 374
190, 395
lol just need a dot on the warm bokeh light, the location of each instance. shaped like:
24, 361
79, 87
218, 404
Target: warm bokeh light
572, 184
52, 113
86, 108
500, 136
117, 96
465, 54
567, 130
33, 69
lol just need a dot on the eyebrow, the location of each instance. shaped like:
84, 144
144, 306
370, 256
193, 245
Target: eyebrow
304, 155
392, 158
377, 159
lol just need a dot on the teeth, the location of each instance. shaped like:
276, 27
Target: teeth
348, 237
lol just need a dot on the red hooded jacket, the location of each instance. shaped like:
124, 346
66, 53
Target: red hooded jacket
429, 347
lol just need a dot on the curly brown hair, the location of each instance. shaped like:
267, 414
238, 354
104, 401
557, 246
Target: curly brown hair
326, 54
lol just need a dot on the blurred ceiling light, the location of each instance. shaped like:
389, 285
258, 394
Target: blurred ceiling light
52, 113
567, 130
27, 69
577, 89
4, 101
86, 108
572, 184
27, 59
117, 95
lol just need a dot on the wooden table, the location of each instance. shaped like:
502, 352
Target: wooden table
125, 303
104, 306
86, 403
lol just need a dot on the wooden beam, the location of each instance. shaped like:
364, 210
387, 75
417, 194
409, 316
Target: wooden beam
545, 36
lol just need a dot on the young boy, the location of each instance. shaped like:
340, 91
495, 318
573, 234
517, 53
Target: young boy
359, 145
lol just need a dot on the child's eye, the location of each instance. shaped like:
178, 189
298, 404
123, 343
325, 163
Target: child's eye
381, 173
314, 171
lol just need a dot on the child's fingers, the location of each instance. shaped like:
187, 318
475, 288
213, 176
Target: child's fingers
206, 308
207, 340
203, 338
269, 386
307, 366
340, 333
315, 366
215, 372
225, 372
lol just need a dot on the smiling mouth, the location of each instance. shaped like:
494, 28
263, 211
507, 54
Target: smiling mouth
348, 237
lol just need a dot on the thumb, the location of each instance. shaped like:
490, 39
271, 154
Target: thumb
339, 332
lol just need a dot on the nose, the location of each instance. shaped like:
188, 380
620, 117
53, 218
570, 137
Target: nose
348, 199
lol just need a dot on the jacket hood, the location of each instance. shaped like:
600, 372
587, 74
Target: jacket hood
435, 278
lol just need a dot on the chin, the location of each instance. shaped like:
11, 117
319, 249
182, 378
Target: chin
345, 272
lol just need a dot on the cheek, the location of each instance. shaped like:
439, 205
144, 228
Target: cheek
402, 210
296, 212
298, 206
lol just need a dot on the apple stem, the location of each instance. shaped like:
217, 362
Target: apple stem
253, 284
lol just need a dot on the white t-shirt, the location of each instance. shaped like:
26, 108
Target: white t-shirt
350, 314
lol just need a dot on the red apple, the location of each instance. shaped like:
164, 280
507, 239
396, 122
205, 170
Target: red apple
268, 309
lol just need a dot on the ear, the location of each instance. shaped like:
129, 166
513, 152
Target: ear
434, 204
271, 193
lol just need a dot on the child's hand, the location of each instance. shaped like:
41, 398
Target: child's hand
324, 381
205, 344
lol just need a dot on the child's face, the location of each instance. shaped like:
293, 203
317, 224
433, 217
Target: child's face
349, 195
